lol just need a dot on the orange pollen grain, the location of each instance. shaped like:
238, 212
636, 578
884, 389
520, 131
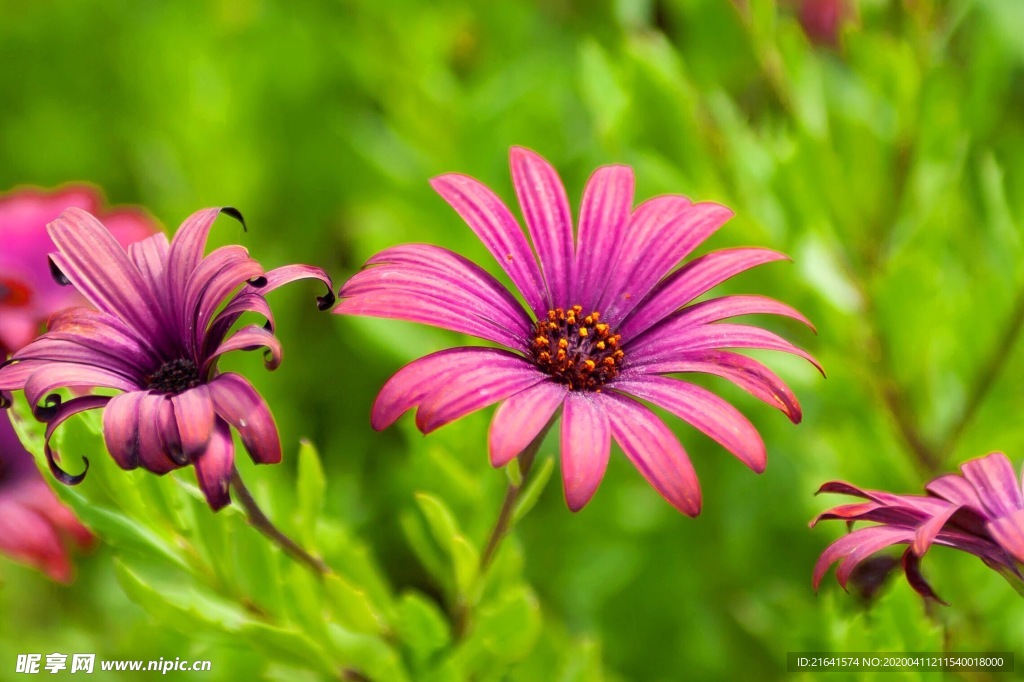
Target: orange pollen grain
587, 354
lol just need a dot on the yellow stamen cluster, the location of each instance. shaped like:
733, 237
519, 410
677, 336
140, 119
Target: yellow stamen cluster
576, 350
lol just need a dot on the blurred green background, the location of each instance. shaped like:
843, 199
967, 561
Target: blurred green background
890, 166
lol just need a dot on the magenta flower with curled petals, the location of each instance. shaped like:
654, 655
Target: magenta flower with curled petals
606, 319
164, 315
28, 295
35, 528
980, 512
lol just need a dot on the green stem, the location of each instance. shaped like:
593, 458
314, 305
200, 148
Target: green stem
461, 610
259, 521
501, 526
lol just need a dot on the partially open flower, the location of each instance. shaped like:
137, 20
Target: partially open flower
164, 315
607, 317
980, 512
28, 295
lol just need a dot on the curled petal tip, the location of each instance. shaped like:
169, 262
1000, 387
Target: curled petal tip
63, 476
48, 410
6, 399
257, 282
326, 302
236, 214
58, 276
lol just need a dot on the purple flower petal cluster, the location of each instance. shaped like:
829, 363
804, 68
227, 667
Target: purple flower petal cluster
164, 314
607, 316
980, 512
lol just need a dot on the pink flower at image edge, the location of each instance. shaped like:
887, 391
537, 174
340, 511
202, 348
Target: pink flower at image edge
164, 315
980, 512
35, 527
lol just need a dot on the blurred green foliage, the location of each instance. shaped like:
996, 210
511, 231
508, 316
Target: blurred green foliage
890, 167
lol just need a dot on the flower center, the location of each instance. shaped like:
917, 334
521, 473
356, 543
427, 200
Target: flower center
174, 377
582, 352
13, 293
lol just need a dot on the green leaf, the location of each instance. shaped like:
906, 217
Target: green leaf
280, 644
177, 603
312, 487
464, 556
533, 489
503, 631
421, 626
368, 655
352, 606
123, 532
425, 549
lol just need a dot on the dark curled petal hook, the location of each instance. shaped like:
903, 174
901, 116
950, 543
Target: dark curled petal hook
58, 276
61, 475
48, 410
236, 214
258, 282
325, 302
6, 399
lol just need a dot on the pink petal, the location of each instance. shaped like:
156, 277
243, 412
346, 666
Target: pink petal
495, 226
725, 307
436, 276
413, 382
101, 270
240, 405
51, 376
215, 465
996, 482
604, 214
1008, 531
690, 281
586, 444
217, 276
102, 331
655, 452
519, 419
548, 219
854, 547
286, 274
61, 414
121, 428
150, 257
474, 389
956, 489
160, 448
926, 533
249, 338
706, 412
186, 252
243, 302
28, 536
193, 411
665, 344
663, 231
419, 305
747, 373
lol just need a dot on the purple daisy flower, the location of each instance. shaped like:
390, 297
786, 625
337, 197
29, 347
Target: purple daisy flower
605, 318
164, 315
980, 512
